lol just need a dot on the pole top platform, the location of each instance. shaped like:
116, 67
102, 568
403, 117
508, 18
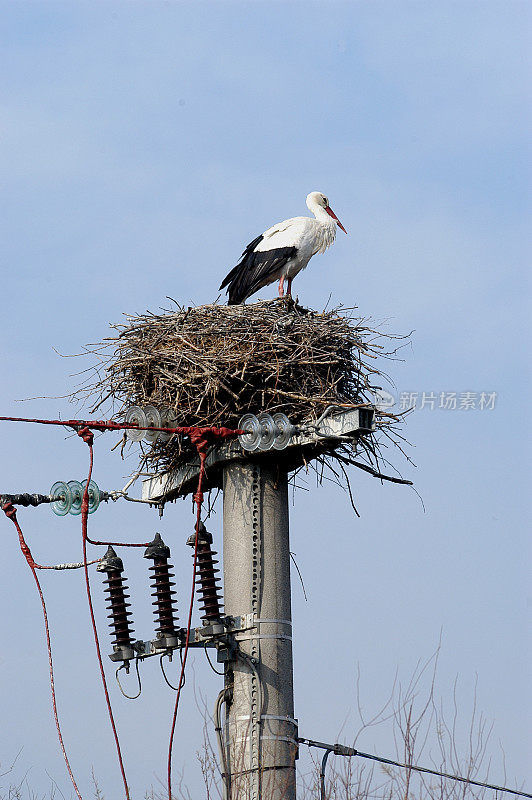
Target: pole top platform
304, 446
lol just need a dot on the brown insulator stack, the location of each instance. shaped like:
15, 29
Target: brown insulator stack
208, 584
116, 590
164, 611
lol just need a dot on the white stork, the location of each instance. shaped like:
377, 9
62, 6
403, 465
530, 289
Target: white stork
282, 251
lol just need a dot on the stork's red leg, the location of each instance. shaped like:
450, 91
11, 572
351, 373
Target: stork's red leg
281, 286
289, 289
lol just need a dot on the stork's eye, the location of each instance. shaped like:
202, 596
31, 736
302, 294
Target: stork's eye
325, 201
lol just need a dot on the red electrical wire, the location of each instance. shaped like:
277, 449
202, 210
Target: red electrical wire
198, 498
110, 425
195, 434
201, 438
11, 512
88, 438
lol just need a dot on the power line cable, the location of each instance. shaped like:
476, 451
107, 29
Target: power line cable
342, 750
198, 499
88, 438
10, 512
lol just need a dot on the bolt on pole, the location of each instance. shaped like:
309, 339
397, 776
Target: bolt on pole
260, 732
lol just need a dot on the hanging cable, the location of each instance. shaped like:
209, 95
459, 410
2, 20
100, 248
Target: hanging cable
201, 438
124, 666
342, 750
11, 512
88, 438
211, 665
222, 698
171, 685
198, 499
175, 688
322, 773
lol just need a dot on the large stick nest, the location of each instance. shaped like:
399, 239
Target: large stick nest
211, 364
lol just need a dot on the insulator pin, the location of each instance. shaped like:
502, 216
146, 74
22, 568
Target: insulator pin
164, 611
116, 590
208, 582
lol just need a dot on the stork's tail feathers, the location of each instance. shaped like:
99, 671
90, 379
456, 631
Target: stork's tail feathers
235, 290
227, 281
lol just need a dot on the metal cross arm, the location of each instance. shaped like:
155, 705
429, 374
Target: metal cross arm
308, 442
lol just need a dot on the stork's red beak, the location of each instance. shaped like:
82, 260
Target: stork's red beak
331, 213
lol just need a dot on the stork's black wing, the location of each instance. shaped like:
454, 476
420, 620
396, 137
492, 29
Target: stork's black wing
247, 252
255, 269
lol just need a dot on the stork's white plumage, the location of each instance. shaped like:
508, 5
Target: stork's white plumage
283, 250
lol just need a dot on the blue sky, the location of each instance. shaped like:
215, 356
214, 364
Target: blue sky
143, 145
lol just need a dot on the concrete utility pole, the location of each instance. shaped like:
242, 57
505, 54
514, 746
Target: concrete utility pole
261, 732
260, 735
